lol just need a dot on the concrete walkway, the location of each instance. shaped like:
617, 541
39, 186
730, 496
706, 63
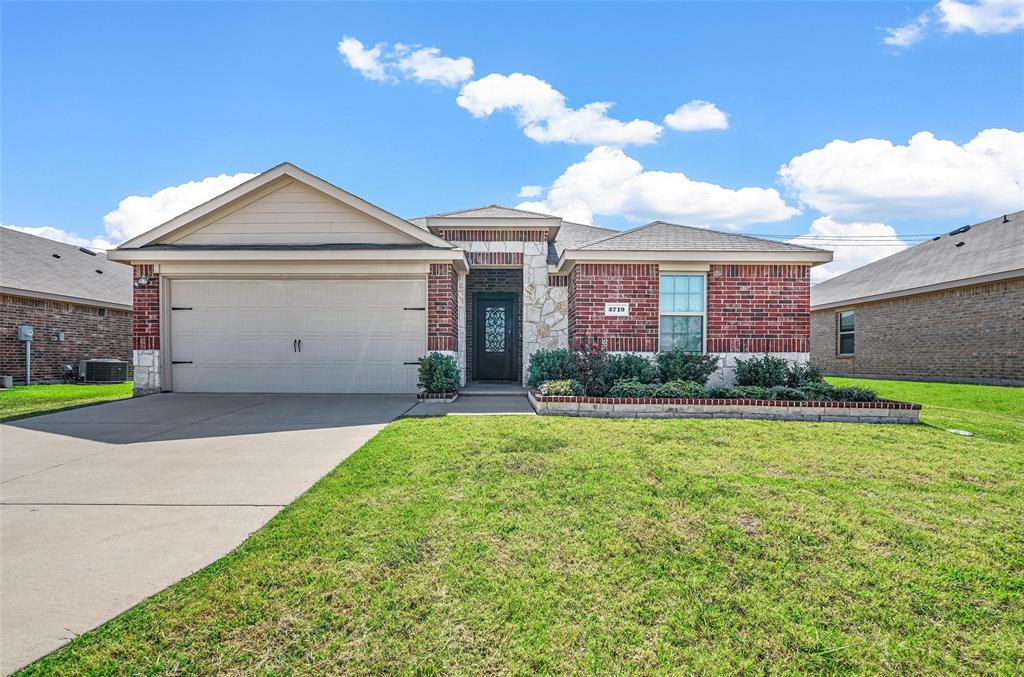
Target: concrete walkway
103, 506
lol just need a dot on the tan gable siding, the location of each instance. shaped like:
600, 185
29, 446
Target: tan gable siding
295, 214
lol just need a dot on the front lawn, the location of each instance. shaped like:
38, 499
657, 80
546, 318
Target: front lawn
517, 545
21, 401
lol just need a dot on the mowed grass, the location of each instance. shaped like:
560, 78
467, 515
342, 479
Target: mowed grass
22, 401
518, 545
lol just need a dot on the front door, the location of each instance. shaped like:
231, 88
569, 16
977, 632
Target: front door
494, 338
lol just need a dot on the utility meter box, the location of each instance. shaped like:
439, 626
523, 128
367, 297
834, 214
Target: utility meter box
25, 332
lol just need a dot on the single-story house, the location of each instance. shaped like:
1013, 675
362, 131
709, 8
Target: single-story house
949, 309
78, 304
287, 283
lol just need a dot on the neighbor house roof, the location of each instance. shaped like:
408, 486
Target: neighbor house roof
41, 268
986, 251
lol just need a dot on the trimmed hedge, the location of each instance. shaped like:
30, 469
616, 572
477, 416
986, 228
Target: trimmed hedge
439, 373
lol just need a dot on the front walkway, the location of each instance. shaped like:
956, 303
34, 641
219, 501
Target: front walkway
481, 399
106, 505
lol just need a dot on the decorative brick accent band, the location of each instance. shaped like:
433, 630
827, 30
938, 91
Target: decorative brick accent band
437, 398
759, 308
558, 280
591, 285
442, 307
504, 259
145, 309
498, 235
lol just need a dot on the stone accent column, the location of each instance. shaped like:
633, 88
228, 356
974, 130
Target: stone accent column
545, 308
461, 342
146, 330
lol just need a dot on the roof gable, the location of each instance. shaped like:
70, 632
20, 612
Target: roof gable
492, 212
351, 215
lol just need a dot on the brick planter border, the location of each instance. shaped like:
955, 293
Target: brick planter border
437, 398
883, 411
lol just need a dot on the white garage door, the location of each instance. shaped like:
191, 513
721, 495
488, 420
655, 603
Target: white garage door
296, 336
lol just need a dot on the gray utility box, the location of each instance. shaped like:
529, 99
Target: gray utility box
103, 371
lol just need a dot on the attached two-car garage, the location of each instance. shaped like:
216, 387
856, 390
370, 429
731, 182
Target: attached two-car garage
295, 335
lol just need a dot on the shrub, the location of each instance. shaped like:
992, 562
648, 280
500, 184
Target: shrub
439, 373
550, 365
631, 367
678, 389
561, 387
678, 365
767, 371
799, 375
720, 393
786, 393
854, 394
819, 391
632, 388
752, 393
590, 364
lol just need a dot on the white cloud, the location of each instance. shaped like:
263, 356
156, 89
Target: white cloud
905, 36
366, 61
541, 111
854, 244
426, 64
51, 233
609, 182
874, 178
982, 17
697, 115
531, 191
137, 213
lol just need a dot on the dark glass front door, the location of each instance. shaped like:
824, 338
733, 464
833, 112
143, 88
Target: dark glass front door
494, 339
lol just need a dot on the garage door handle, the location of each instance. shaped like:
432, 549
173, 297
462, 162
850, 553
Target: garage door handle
181, 307
300, 345
410, 363
181, 361
411, 308
295, 345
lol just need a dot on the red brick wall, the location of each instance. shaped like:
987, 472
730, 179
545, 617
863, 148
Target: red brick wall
87, 335
758, 308
145, 310
591, 285
442, 307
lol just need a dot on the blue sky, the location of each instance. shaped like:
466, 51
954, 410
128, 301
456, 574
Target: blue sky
103, 101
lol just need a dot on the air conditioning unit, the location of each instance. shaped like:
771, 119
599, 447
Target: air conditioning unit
103, 371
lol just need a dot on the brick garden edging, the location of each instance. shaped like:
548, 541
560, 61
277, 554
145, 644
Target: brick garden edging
883, 411
437, 398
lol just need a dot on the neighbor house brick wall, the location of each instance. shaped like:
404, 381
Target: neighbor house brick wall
493, 281
969, 334
758, 308
442, 307
89, 333
591, 285
145, 309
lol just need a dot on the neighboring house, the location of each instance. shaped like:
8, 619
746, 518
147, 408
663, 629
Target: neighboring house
287, 283
950, 309
78, 303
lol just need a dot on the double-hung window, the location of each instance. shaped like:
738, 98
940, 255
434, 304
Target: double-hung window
844, 326
681, 312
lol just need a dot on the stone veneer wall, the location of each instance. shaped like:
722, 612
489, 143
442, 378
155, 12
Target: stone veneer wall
969, 334
89, 332
146, 331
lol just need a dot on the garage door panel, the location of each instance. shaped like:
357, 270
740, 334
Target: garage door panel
238, 335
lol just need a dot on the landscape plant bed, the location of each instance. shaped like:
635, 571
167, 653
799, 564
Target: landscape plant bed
438, 398
881, 411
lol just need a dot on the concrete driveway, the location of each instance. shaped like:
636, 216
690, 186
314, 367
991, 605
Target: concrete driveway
103, 506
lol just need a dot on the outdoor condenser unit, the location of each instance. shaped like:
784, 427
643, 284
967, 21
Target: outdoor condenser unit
103, 371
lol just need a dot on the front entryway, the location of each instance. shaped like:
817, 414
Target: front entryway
495, 337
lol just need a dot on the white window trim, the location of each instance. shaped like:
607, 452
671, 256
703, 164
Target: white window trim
675, 313
840, 333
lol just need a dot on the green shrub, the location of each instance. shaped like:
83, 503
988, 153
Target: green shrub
561, 387
678, 389
854, 394
787, 393
550, 365
631, 367
590, 366
767, 371
720, 393
822, 392
632, 388
678, 365
752, 393
799, 375
439, 373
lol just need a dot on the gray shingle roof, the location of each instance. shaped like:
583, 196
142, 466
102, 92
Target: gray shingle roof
989, 248
573, 235
662, 236
28, 265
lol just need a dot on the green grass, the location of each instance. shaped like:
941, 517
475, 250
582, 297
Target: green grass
521, 545
22, 401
